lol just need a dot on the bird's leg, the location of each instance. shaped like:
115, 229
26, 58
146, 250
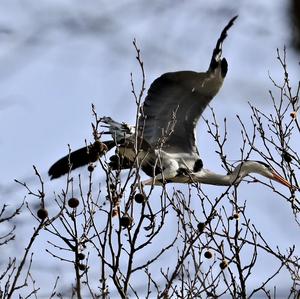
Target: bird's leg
162, 179
157, 180
184, 176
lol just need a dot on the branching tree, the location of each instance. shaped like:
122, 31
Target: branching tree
124, 240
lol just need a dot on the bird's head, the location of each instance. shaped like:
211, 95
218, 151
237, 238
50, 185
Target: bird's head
250, 166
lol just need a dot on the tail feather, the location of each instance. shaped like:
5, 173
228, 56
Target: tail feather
217, 53
83, 156
80, 157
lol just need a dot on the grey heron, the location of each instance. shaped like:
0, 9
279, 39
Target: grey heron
167, 150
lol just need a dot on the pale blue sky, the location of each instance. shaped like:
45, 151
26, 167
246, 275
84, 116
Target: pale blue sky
58, 57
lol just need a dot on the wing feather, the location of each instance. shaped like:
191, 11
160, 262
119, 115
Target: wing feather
171, 110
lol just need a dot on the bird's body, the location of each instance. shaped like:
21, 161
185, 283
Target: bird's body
163, 143
168, 118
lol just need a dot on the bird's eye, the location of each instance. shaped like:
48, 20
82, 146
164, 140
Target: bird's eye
268, 167
265, 165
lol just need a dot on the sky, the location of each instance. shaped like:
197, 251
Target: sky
59, 57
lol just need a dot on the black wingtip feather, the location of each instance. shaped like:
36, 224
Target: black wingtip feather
218, 49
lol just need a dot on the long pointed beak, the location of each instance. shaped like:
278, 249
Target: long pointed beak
278, 178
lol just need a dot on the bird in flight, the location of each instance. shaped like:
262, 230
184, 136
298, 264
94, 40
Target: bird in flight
163, 144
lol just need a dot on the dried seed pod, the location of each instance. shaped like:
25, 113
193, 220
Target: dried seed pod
96, 150
140, 198
42, 213
293, 114
236, 216
126, 221
82, 267
73, 202
114, 162
99, 147
286, 157
201, 226
208, 254
81, 256
91, 168
223, 264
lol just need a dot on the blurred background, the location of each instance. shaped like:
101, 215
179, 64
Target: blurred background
59, 56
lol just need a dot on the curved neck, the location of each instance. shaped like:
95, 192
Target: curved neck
206, 176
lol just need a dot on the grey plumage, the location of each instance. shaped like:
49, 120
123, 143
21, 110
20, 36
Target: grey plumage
175, 101
174, 104
167, 121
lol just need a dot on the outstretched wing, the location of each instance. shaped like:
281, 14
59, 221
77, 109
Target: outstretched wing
175, 101
171, 111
